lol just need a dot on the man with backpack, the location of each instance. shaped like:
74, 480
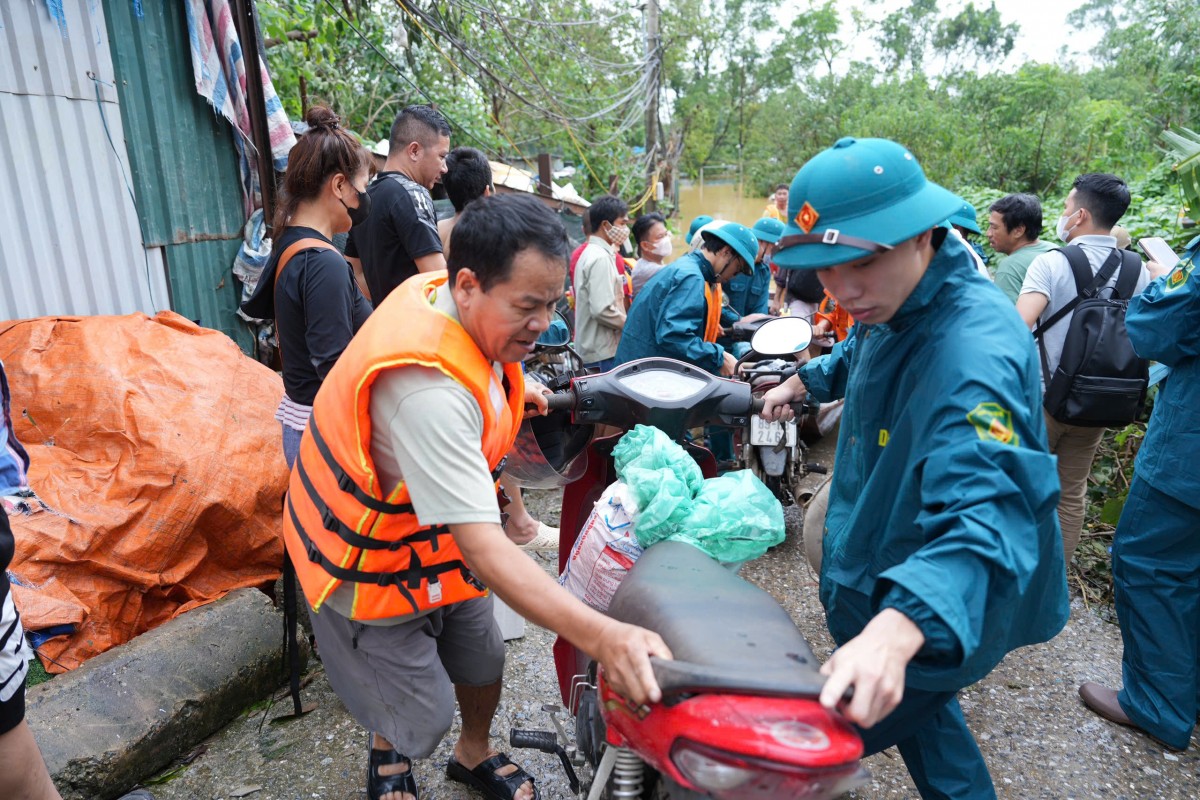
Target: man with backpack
1074, 300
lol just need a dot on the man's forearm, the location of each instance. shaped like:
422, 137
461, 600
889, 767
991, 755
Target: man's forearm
525, 586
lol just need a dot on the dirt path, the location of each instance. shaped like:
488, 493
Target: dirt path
1038, 739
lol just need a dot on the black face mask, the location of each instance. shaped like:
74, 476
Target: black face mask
359, 212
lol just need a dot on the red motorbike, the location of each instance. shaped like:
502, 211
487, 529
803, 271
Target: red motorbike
739, 716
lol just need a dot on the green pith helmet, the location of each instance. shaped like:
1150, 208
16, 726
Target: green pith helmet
859, 197
768, 230
697, 224
966, 217
740, 238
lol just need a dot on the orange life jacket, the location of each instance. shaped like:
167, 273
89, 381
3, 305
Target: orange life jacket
837, 317
339, 525
712, 321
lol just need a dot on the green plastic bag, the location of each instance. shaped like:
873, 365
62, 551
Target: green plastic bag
735, 518
646, 447
732, 518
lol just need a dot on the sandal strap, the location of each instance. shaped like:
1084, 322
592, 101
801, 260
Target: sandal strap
380, 785
386, 757
514, 780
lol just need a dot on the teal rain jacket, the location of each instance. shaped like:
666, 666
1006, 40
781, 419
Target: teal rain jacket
943, 501
668, 315
749, 294
1164, 325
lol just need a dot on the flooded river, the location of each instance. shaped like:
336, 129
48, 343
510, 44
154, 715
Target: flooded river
722, 200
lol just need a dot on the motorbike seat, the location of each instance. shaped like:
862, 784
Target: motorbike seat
725, 633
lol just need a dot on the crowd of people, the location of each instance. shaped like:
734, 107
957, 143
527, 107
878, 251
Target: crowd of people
946, 535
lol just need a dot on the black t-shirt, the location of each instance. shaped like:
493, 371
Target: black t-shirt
401, 227
317, 309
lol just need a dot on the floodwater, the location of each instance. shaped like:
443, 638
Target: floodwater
720, 200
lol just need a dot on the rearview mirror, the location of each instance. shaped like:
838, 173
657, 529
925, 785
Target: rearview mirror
782, 336
558, 334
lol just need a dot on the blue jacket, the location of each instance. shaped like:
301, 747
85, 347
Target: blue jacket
943, 501
1164, 325
749, 294
668, 315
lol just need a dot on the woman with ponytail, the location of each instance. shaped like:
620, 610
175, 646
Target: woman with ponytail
307, 286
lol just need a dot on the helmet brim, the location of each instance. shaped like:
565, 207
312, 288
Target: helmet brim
892, 225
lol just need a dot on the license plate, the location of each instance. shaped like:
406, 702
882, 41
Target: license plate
771, 433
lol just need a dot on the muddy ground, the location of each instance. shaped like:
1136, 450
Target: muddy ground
1038, 739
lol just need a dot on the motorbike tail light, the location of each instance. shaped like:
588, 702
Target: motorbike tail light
728, 776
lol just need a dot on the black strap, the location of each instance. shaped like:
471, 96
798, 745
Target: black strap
1131, 269
332, 524
347, 484
832, 236
1081, 269
414, 576
291, 642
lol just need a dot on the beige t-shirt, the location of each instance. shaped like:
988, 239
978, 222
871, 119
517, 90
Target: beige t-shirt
427, 430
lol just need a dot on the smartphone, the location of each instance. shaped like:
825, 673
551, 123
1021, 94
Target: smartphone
1157, 249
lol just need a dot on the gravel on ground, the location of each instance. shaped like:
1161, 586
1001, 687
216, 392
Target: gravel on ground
1037, 737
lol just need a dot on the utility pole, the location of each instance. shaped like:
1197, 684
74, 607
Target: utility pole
653, 79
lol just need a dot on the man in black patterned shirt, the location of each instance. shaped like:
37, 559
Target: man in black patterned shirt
400, 236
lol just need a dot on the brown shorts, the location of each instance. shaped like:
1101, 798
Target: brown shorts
398, 680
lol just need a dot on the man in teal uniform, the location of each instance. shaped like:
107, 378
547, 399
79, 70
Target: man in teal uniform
673, 315
941, 547
750, 294
1156, 549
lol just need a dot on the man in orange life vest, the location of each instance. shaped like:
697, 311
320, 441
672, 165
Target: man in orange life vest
392, 519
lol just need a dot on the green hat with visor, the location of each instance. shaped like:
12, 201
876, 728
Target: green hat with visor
698, 223
738, 237
768, 230
858, 198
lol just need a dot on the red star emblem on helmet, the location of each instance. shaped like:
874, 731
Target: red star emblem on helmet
807, 217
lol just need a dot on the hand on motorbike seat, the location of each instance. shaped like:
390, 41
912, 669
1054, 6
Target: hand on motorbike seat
873, 664
624, 651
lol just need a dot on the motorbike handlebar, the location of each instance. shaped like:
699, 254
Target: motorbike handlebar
798, 408
565, 401
562, 401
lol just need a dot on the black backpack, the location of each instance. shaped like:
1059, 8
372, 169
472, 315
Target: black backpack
1100, 381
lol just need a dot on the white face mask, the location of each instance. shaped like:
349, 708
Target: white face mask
1064, 233
663, 247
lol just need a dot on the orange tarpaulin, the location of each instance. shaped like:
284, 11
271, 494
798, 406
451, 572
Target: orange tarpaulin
154, 443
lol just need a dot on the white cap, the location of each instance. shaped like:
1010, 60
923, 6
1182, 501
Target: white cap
381, 148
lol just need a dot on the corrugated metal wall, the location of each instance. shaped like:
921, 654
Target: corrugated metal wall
185, 168
69, 235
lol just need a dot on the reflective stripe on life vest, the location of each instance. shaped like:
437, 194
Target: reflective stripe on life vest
340, 526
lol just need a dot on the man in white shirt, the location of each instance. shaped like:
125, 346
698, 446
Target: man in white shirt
1095, 203
599, 288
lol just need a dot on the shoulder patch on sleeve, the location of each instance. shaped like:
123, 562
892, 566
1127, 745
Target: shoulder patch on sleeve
993, 421
1179, 275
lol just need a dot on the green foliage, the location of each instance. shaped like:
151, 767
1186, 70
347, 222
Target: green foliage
748, 83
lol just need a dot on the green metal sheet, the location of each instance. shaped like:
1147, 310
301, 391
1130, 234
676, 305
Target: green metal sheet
185, 170
204, 290
183, 162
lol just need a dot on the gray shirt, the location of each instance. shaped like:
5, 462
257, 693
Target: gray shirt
427, 430
1050, 275
643, 271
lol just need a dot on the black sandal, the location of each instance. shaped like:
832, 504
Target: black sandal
484, 778
379, 785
